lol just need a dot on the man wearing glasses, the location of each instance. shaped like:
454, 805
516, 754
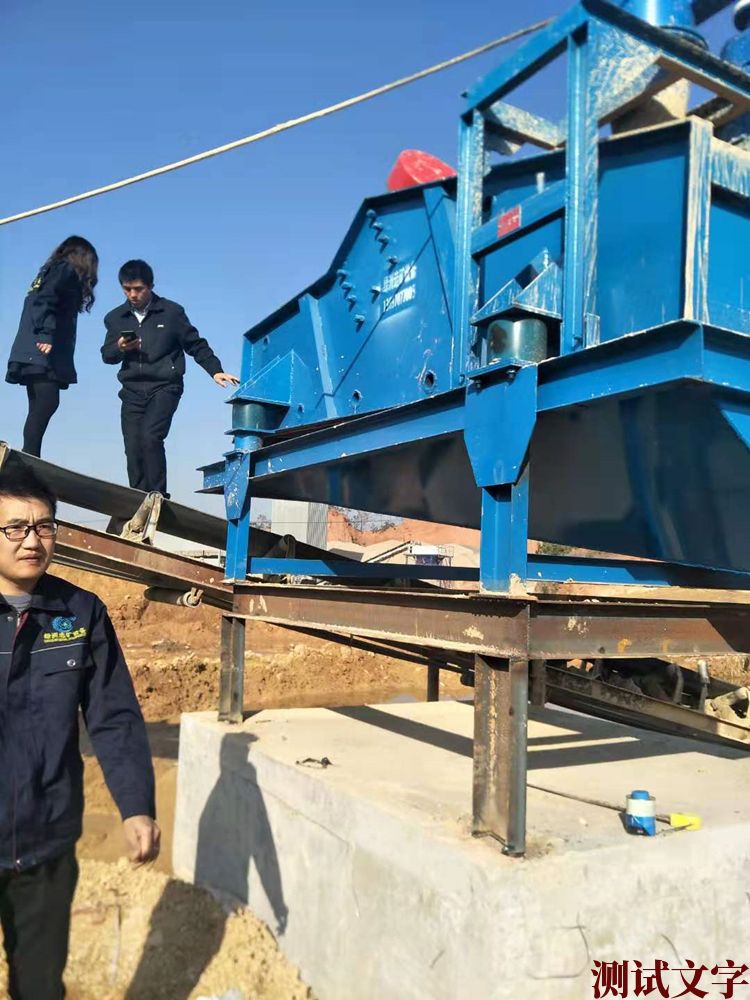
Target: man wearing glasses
58, 654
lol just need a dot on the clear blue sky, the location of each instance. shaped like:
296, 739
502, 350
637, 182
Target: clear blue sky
98, 91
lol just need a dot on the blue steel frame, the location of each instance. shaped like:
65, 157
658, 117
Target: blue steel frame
591, 35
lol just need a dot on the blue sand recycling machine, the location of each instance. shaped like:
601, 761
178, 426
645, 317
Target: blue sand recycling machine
554, 345
551, 346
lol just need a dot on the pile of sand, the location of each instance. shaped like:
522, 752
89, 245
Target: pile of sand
138, 934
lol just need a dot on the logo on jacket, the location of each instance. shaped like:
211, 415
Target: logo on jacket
62, 624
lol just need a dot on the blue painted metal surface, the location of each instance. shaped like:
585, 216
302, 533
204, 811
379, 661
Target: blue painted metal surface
676, 15
382, 386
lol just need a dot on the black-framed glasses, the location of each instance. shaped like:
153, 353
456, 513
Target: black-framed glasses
18, 532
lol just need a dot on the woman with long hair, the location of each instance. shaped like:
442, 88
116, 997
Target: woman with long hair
42, 354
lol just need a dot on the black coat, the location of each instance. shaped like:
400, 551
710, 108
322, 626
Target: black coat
50, 315
64, 657
167, 335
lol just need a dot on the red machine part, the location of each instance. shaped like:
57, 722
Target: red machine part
415, 167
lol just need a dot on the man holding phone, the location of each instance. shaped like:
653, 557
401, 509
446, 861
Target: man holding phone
149, 336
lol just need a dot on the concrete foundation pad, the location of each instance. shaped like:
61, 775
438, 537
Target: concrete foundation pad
367, 871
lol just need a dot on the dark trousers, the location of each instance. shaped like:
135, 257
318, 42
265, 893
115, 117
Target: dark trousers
145, 417
35, 916
44, 399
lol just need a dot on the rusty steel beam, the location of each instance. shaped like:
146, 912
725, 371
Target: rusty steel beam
110, 555
431, 619
455, 662
433, 681
497, 626
232, 673
619, 630
501, 693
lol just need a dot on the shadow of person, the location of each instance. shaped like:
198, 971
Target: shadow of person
234, 835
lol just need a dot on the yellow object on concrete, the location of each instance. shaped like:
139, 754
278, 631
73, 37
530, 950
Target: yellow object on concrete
685, 821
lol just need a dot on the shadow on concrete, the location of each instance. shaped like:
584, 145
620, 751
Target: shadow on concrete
233, 832
613, 742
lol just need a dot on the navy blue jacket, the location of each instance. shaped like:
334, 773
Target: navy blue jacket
50, 316
63, 657
166, 336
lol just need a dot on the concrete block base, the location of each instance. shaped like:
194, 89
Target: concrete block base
367, 872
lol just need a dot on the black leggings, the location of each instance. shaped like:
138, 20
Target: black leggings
44, 399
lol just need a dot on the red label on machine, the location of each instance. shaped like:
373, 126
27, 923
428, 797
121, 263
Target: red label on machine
509, 221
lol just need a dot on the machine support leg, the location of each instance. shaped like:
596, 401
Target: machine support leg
538, 683
504, 538
232, 677
433, 682
501, 690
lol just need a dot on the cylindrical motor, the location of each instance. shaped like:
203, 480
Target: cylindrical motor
673, 15
671, 103
521, 339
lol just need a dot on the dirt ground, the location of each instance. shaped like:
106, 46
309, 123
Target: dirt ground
138, 933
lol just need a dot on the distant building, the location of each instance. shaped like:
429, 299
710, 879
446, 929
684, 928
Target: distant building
307, 522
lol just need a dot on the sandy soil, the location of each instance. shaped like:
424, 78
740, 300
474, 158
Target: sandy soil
137, 934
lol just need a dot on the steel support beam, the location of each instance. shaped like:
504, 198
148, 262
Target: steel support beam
581, 168
588, 631
501, 691
521, 627
232, 676
110, 555
538, 683
433, 681
432, 619
471, 167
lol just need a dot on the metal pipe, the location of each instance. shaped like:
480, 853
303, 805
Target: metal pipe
165, 595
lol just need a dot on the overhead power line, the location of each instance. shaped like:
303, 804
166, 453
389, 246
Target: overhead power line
276, 129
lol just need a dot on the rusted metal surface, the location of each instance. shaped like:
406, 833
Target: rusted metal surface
111, 555
565, 632
638, 593
548, 629
430, 619
538, 683
575, 690
456, 662
500, 724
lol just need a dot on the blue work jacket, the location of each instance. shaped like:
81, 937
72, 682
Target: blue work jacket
50, 316
59, 657
166, 336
